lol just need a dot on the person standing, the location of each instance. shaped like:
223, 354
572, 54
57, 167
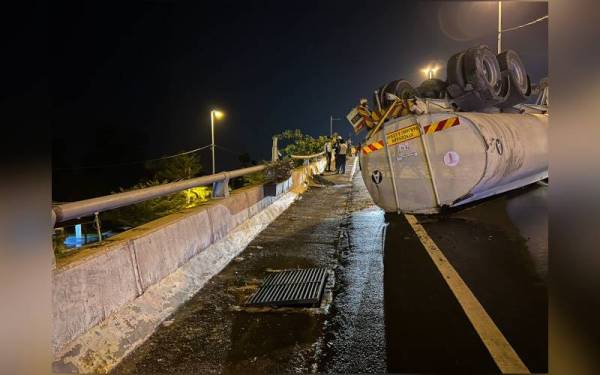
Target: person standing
334, 152
341, 156
349, 151
328, 151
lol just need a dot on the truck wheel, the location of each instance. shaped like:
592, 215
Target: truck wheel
404, 90
512, 92
400, 88
454, 70
432, 88
482, 71
510, 62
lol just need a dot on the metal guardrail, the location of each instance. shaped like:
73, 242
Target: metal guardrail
308, 156
87, 207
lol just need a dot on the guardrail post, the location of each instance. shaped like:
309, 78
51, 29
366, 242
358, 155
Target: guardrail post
97, 224
221, 188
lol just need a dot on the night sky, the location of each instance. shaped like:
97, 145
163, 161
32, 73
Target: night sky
137, 80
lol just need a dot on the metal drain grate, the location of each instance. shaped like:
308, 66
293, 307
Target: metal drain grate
291, 288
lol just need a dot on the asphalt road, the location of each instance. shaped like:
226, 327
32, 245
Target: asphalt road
499, 248
391, 310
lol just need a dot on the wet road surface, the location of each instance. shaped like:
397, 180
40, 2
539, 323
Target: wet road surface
391, 309
499, 249
209, 334
355, 329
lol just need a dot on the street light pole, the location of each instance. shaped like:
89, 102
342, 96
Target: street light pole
214, 114
499, 27
331, 120
331, 126
212, 137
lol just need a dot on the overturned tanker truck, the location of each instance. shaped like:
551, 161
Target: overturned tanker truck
447, 143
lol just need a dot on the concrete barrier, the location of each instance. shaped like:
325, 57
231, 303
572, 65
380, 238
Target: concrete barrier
166, 245
254, 196
299, 178
89, 291
86, 292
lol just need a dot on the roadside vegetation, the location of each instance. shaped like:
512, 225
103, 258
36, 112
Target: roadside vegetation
186, 166
291, 142
162, 172
294, 142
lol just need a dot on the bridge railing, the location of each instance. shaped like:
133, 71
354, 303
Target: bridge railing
88, 207
307, 158
92, 206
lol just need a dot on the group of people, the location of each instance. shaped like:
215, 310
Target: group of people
336, 150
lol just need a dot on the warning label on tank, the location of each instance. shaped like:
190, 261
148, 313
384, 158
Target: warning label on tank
403, 135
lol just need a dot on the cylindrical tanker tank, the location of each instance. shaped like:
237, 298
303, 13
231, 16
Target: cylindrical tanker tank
421, 163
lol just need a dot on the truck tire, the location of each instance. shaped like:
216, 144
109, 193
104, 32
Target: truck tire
400, 88
432, 88
512, 92
482, 72
510, 62
454, 70
404, 90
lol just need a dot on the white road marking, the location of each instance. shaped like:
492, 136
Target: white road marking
504, 355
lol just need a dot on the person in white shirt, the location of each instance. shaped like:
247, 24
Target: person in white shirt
340, 159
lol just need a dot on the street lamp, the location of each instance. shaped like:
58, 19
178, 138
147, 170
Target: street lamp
214, 114
430, 72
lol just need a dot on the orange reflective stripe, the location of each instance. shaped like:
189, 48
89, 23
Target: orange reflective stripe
372, 147
441, 125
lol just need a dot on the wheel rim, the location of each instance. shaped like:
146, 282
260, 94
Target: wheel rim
489, 71
519, 75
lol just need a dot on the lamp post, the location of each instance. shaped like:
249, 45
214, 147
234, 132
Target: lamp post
499, 27
214, 114
331, 120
